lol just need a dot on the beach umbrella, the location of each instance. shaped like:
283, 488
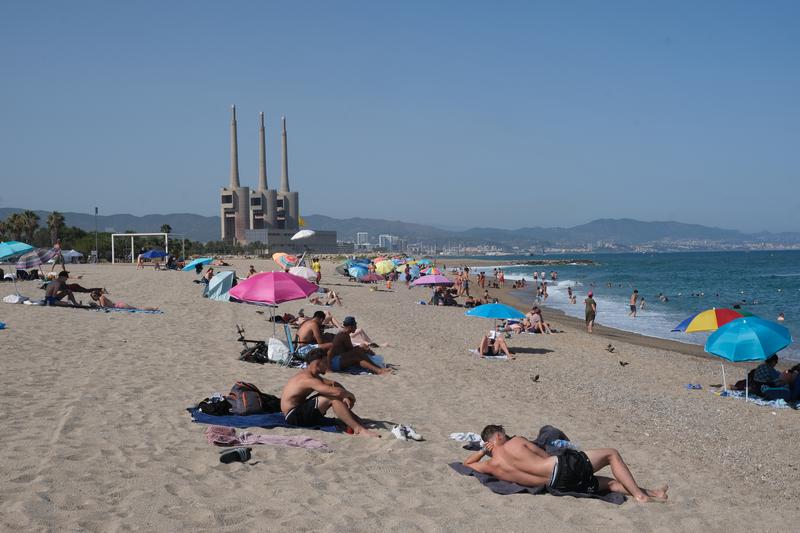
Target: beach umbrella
11, 248
424, 262
304, 272
272, 288
434, 280
384, 267
303, 234
371, 277
36, 257
69, 255
220, 285
747, 339
357, 271
431, 271
497, 311
342, 269
284, 260
154, 254
199, 261
708, 320
378, 259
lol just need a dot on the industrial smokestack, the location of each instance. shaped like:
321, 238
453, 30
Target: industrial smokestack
284, 160
262, 156
234, 151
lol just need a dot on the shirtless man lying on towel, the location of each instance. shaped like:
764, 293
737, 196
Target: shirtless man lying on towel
520, 461
303, 410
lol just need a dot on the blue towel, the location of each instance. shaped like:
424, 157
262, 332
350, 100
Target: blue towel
261, 420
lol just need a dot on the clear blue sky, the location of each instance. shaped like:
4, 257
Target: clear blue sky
504, 114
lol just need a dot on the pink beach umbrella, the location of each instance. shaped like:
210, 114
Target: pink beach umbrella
371, 277
430, 271
434, 279
272, 288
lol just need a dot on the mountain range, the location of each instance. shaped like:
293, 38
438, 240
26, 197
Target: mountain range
626, 232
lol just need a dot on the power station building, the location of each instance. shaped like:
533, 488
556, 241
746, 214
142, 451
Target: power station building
266, 215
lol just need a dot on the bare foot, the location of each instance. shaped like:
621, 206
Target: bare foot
383, 371
364, 432
659, 494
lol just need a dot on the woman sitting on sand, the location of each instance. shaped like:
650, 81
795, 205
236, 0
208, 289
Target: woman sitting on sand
330, 299
105, 302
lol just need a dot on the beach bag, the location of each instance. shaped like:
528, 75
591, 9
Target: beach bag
246, 399
215, 406
277, 351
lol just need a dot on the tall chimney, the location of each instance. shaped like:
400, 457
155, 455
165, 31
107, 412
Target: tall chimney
262, 156
284, 160
234, 151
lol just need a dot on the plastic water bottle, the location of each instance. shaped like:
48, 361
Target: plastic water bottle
561, 443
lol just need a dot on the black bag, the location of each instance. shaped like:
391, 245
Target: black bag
255, 354
215, 406
246, 399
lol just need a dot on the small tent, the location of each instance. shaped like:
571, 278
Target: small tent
71, 256
220, 285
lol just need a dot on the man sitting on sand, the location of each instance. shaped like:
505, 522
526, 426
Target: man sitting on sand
310, 335
493, 344
303, 410
57, 289
518, 460
342, 354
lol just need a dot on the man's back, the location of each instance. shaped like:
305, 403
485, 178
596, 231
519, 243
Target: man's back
341, 343
309, 332
515, 461
296, 390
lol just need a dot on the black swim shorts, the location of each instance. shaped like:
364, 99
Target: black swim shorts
573, 473
306, 414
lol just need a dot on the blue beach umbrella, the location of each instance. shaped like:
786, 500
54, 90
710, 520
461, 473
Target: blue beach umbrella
10, 248
748, 339
199, 261
496, 311
219, 286
357, 271
153, 254
424, 262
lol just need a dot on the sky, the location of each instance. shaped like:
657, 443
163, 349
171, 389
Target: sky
458, 114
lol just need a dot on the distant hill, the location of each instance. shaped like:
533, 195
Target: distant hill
626, 232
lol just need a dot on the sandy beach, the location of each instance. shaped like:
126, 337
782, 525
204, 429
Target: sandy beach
98, 439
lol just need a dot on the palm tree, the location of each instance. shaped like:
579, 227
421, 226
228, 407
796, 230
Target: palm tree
3, 230
15, 226
166, 228
55, 223
30, 221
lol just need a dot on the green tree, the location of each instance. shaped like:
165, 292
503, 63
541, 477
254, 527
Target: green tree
56, 225
166, 228
30, 221
15, 226
3, 230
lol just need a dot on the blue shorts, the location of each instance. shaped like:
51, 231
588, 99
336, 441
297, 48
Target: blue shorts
336, 363
49, 300
303, 350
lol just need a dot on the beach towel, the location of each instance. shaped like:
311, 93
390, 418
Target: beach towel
226, 436
476, 353
124, 310
740, 395
260, 420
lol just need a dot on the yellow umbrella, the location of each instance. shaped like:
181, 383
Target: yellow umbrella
384, 267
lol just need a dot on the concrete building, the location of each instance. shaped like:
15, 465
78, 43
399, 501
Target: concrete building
265, 215
362, 237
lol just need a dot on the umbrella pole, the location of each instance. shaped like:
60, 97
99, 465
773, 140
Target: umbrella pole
724, 382
747, 388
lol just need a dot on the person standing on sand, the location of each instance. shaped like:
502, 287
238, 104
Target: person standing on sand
591, 311
634, 298
303, 410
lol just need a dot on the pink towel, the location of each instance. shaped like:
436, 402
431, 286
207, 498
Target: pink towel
226, 436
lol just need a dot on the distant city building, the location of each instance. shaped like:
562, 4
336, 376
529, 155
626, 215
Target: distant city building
362, 237
265, 215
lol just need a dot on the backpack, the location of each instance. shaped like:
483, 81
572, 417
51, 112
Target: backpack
215, 406
246, 399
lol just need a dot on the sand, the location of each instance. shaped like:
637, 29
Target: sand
97, 437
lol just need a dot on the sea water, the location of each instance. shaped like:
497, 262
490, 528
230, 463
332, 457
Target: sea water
763, 283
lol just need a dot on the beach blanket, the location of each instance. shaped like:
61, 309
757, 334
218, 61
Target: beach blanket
123, 310
226, 436
260, 420
740, 395
476, 353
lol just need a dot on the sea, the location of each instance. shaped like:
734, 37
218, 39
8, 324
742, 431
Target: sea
764, 283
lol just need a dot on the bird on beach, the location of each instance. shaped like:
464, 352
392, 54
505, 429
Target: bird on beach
535, 378
610, 348
623, 363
